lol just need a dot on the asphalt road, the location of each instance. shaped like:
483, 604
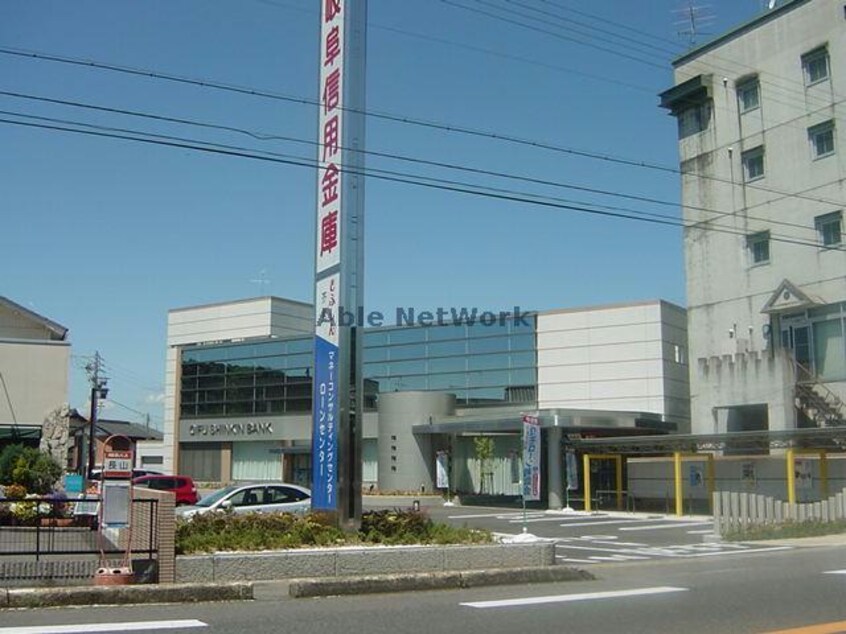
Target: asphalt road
746, 593
588, 539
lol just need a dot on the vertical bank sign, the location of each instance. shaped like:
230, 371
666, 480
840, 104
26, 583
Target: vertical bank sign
531, 458
339, 258
326, 386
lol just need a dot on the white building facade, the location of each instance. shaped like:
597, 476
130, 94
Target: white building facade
762, 156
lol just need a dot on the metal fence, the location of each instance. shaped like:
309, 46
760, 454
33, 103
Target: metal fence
49, 540
736, 511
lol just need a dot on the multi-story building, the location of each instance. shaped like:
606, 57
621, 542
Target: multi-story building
239, 382
761, 143
34, 358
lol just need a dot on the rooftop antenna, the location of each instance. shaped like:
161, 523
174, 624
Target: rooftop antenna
692, 19
262, 281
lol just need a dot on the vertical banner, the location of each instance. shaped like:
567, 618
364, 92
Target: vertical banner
442, 470
531, 458
339, 259
572, 470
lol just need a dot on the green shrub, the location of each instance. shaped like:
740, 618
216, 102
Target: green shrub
219, 531
34, 470
786, 530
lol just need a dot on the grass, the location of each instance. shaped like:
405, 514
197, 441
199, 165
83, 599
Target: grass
787, 530
212, 532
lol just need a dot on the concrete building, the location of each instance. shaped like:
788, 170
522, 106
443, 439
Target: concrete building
34, 357
238, 390
762, 159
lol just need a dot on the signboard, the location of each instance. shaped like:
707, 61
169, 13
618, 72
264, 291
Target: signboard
804, 475
531, 458
117, 464
442, 470
695, 476
116, 504
339, 259
572, 470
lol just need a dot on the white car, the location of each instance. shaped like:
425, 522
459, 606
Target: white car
264, 497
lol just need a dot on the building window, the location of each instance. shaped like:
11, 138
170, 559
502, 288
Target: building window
759, 247
753, 164
694, 119
749, 95
822, 139
830, 228
815, 66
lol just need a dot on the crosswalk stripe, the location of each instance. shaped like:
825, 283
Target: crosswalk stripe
84, 628
835, 572
565, 598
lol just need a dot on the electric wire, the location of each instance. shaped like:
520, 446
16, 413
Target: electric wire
265, 136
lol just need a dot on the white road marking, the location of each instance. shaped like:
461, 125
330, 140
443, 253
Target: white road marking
655, 527
564, 598
618, 557
575, 561
701, 532
503, 516
835, 572
84, 628
735, 552
600, 522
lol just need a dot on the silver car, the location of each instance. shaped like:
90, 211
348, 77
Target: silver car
264, 497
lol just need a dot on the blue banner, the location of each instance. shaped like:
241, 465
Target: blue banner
324, 434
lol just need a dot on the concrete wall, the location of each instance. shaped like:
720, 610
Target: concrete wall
627, 357
726, 291
406, 461
36, 376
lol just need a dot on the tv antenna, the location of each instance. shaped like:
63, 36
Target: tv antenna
262, 281
692, 19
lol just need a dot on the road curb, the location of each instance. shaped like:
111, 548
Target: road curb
372, 584
112, 595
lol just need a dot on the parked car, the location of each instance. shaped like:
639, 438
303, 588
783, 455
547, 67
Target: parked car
264, 497
182, 486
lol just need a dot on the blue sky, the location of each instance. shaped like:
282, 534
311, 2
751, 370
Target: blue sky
104, 236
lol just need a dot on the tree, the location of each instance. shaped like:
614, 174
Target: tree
484, 446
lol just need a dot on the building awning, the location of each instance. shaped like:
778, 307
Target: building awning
689, 93
20, 432
594, 422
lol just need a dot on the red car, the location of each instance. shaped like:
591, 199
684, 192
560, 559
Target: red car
182, 486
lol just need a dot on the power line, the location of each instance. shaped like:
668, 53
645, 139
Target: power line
266, 136
405, 120
437, 184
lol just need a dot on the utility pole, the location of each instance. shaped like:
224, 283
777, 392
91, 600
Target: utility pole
98, 390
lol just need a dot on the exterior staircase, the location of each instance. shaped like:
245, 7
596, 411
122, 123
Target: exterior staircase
816, 401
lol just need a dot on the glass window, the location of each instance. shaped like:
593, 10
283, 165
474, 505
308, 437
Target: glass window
523, 376
448, 348
272, 392
484, 395
815, 66
522, 359
525, 341
299, 360
375, 354
376, 369
830, 228
490, 344
375, 338
240, 394
759, 247
487, 361
829, 349
753, 164
447, 364
487, 329
189, 369
295, 346
209, 409
239, 380
448, 381
822, 139
407, 335
402, 368
489, 378
523, 324
298, 405
211, 381
694, 119
413, 351
748, 95
298, 391
449, 331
